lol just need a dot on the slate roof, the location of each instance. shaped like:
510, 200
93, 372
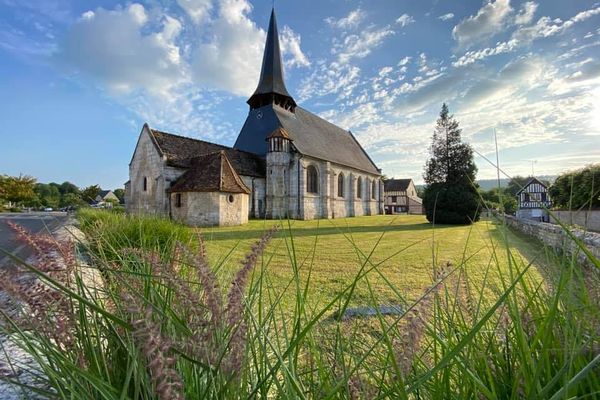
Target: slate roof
312, 135
103, 193
210, 173
271, 73
181, 150
396, 185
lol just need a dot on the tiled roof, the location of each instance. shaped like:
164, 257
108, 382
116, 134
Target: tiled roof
312, 136
279, 133
210, 173
181, 150
396, 185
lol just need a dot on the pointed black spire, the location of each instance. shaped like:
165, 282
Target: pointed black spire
271, 87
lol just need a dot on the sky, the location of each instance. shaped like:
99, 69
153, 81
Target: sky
79, 79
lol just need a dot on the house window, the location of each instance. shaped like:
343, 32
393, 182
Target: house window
341, 185
359, 187
145, 184
230, 198
373, 189
312, 180
394, 199
178, 200
526, 197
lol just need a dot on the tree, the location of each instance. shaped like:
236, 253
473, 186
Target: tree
120, 193
19, 189
577, 189
89, 193
450, 195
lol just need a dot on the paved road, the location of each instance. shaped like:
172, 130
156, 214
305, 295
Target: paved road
34, 222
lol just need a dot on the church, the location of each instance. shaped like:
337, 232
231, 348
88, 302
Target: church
286, 163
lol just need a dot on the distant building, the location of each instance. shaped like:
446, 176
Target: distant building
286, 163
400, 196
533, 201
106, 198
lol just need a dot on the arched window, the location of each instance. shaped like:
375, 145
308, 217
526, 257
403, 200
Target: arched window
341, 185
312, 180
359, 187
373, 189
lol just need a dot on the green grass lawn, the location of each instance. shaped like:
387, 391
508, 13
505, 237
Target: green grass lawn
403, 248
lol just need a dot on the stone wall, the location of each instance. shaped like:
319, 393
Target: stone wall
210, 208
148, 163
555, 237
586, 219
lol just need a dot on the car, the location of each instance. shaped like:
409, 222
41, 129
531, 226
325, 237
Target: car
48, 209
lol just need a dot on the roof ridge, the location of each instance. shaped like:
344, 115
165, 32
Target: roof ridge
186, 137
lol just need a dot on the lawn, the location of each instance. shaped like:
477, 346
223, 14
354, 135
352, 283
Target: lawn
404, 249
486, 326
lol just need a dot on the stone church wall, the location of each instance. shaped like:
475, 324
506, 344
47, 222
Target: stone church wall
327, 204
256, 199
211, 208
147, 163
233, 209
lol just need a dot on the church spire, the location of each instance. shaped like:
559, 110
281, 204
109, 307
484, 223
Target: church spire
271, 87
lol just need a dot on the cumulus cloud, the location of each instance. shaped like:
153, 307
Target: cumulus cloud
352, 20
488, 21
197, 10
526, 13
405, 20
232, 58
446, 17
111, 46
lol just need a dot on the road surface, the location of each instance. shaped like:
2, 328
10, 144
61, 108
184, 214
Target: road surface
34, 222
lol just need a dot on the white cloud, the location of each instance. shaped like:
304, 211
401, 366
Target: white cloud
488, 21
112, 47
330, 78
290, 45
404, 61
360, 45
471, 57
352, 20
197, 10
446, 17
405, 20
232, 58
526, 13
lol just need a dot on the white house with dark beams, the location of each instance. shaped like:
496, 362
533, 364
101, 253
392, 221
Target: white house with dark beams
533, 201
286, 163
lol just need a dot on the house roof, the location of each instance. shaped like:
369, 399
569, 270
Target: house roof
103, 193
529, 182
210, 173
396, 185
181, 151
312, 135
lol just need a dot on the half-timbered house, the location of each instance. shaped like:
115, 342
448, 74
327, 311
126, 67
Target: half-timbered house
400, 196
533, 201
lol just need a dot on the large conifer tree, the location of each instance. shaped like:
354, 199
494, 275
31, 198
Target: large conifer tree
450, 196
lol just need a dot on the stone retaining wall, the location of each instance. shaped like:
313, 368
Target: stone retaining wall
555, 237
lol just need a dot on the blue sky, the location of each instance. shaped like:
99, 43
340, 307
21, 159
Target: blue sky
78, 79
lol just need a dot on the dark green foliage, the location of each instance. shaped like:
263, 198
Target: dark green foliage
450, 196
499, 199
120, 193
89, 193
577, 189
451, 204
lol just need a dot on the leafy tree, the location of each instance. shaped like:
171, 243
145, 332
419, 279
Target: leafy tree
450, 195
48, 194
68, 187
577, 189
89, 193
120, 193
19, 189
